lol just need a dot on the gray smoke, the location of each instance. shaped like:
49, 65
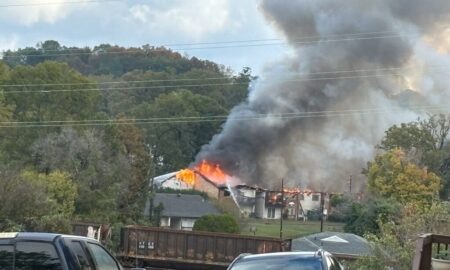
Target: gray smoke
361, 55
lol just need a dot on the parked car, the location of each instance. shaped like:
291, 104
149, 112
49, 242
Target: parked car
319, 260
53, 252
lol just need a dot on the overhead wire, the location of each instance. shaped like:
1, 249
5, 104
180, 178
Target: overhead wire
57, 3
219, 118
144, 51
196, 85
224, 78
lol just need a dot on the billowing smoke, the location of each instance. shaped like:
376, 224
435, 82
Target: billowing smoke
315, 117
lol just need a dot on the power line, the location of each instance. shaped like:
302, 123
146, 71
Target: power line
315, 38
279, 39
321, 41
225, 78
57, 3
178, 120
116, 82
196, 85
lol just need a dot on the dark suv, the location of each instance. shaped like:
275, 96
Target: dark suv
30, 251
319, 260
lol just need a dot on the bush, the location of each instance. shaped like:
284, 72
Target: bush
313, 215
217, 223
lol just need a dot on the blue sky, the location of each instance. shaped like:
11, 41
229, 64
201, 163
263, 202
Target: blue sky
139, 22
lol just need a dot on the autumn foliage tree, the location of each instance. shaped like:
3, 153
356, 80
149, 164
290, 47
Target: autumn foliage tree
391, 175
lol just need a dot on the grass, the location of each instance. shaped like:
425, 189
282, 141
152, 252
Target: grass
291, 228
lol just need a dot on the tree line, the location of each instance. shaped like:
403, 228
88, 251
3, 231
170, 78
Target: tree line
63, 154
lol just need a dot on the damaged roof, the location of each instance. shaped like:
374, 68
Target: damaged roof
184, 205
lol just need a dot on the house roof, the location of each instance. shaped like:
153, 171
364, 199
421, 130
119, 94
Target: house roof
184, 205
333, 242
158, 180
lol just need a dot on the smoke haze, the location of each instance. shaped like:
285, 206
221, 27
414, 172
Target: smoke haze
351, 61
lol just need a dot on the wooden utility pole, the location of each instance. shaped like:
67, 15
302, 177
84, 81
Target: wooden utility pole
322, 202
350, 183
282, 208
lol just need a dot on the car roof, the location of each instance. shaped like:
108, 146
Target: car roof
39, 236
287, 255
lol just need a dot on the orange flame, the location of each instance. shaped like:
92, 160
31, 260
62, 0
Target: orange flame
297, 191
211, 171
187, 176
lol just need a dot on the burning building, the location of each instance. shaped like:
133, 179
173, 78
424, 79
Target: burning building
205, 177
317, 114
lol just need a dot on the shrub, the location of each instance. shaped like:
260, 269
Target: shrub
217, 223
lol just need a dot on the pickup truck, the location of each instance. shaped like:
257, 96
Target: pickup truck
26, 251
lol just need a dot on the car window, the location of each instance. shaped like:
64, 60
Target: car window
80, 255
6, 257
36, 256
102, 258
277, 264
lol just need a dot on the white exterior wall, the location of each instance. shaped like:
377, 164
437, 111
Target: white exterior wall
187, 223
174, 183
250, 193
308, 203
165, 222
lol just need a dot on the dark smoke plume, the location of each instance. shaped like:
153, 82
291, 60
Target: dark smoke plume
351, 60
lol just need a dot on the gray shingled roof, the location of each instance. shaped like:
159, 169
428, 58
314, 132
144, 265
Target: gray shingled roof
184, 205
342, 243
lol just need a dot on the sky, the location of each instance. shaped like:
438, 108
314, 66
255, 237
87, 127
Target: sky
154, 22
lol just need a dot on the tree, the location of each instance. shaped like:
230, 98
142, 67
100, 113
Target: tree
408, 136
34, 201
31, 103
217, 223
426, 143
134, 191
364, 218
95, 166
391, 175
176, 144
61, 191
394, 244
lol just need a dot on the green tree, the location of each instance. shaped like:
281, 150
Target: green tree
176, 144
364, 218
391, 175
61, 191
134, 191
426, 144
97, 168
33, 201
394, 244
217, 223
31, 103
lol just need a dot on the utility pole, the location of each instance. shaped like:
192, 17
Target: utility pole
282, 208
151, 172
322, 202
350, 183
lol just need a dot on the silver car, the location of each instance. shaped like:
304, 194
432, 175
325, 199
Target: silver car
319, 260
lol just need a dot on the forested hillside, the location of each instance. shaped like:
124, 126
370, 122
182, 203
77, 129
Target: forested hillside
83, 130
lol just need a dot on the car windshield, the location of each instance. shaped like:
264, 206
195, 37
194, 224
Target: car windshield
278, 263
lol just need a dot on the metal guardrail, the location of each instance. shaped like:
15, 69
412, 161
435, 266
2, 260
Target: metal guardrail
424, 249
